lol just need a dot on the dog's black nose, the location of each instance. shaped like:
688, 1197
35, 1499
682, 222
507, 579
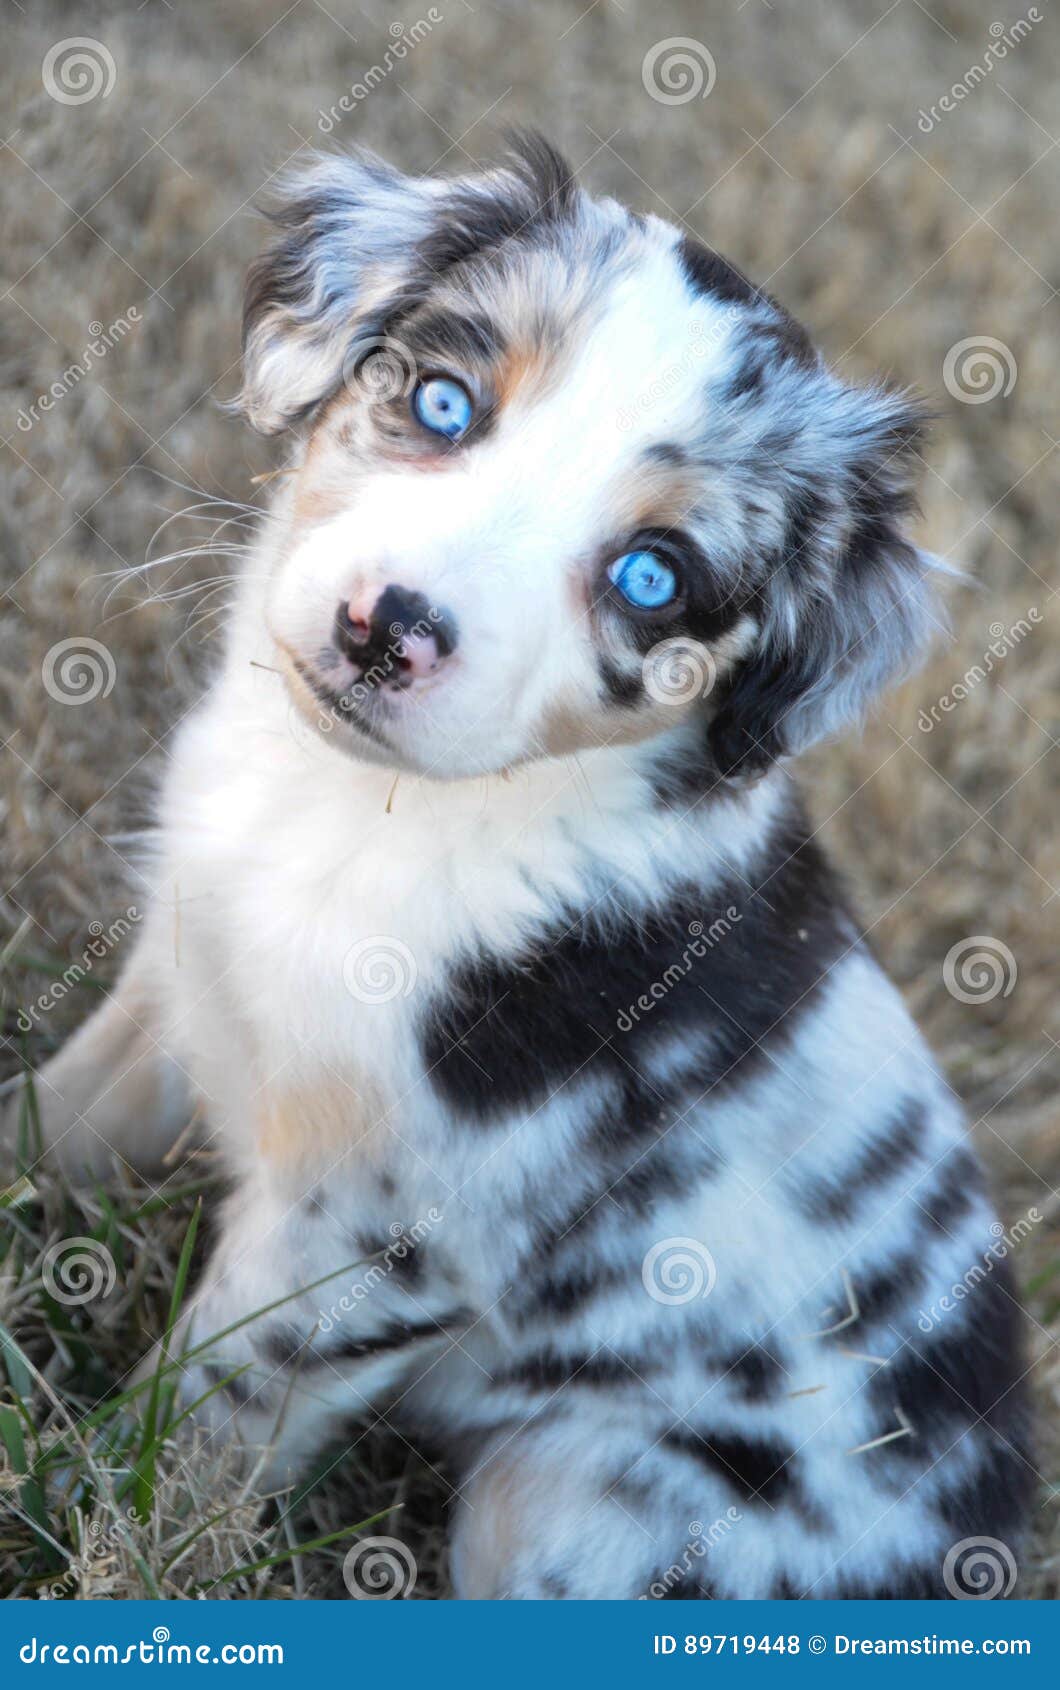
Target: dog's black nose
398, 639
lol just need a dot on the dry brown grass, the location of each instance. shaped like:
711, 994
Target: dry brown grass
892, 250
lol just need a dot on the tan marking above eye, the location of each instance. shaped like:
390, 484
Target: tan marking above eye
657, 496
520, 372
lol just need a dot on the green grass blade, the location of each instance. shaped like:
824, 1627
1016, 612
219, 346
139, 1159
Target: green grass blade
146, 1461
293, 1550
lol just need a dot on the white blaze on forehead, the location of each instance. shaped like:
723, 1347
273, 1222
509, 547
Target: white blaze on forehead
633, 374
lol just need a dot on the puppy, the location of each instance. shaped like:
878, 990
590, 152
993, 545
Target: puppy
569, 1117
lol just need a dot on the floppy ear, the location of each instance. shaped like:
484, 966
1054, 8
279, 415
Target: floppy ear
346, 227
846, 607
358, 242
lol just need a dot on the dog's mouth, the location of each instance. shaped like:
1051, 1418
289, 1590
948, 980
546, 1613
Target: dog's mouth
364, 701
358, 706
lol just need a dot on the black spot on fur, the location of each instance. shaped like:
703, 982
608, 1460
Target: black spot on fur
878, 1162
285, 1346
639, 1117
683, 770
963, 1377
545, 1370
398, 1255
756, 1468
995, 1499
563, 1289
786, 339
748, 381
947, 1202
509, 1031
779, 335
885, 1291
708, 272
686, 1587
755, 1375
553, 1279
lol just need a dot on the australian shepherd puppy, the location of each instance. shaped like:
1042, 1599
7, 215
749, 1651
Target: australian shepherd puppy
569, 1118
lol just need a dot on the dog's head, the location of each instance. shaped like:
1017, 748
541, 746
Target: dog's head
565, 478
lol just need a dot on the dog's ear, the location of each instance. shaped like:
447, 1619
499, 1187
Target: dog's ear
357, 243
345, 227
846, 606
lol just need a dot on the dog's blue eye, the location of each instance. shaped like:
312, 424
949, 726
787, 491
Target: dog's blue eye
644, 579
443, 406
